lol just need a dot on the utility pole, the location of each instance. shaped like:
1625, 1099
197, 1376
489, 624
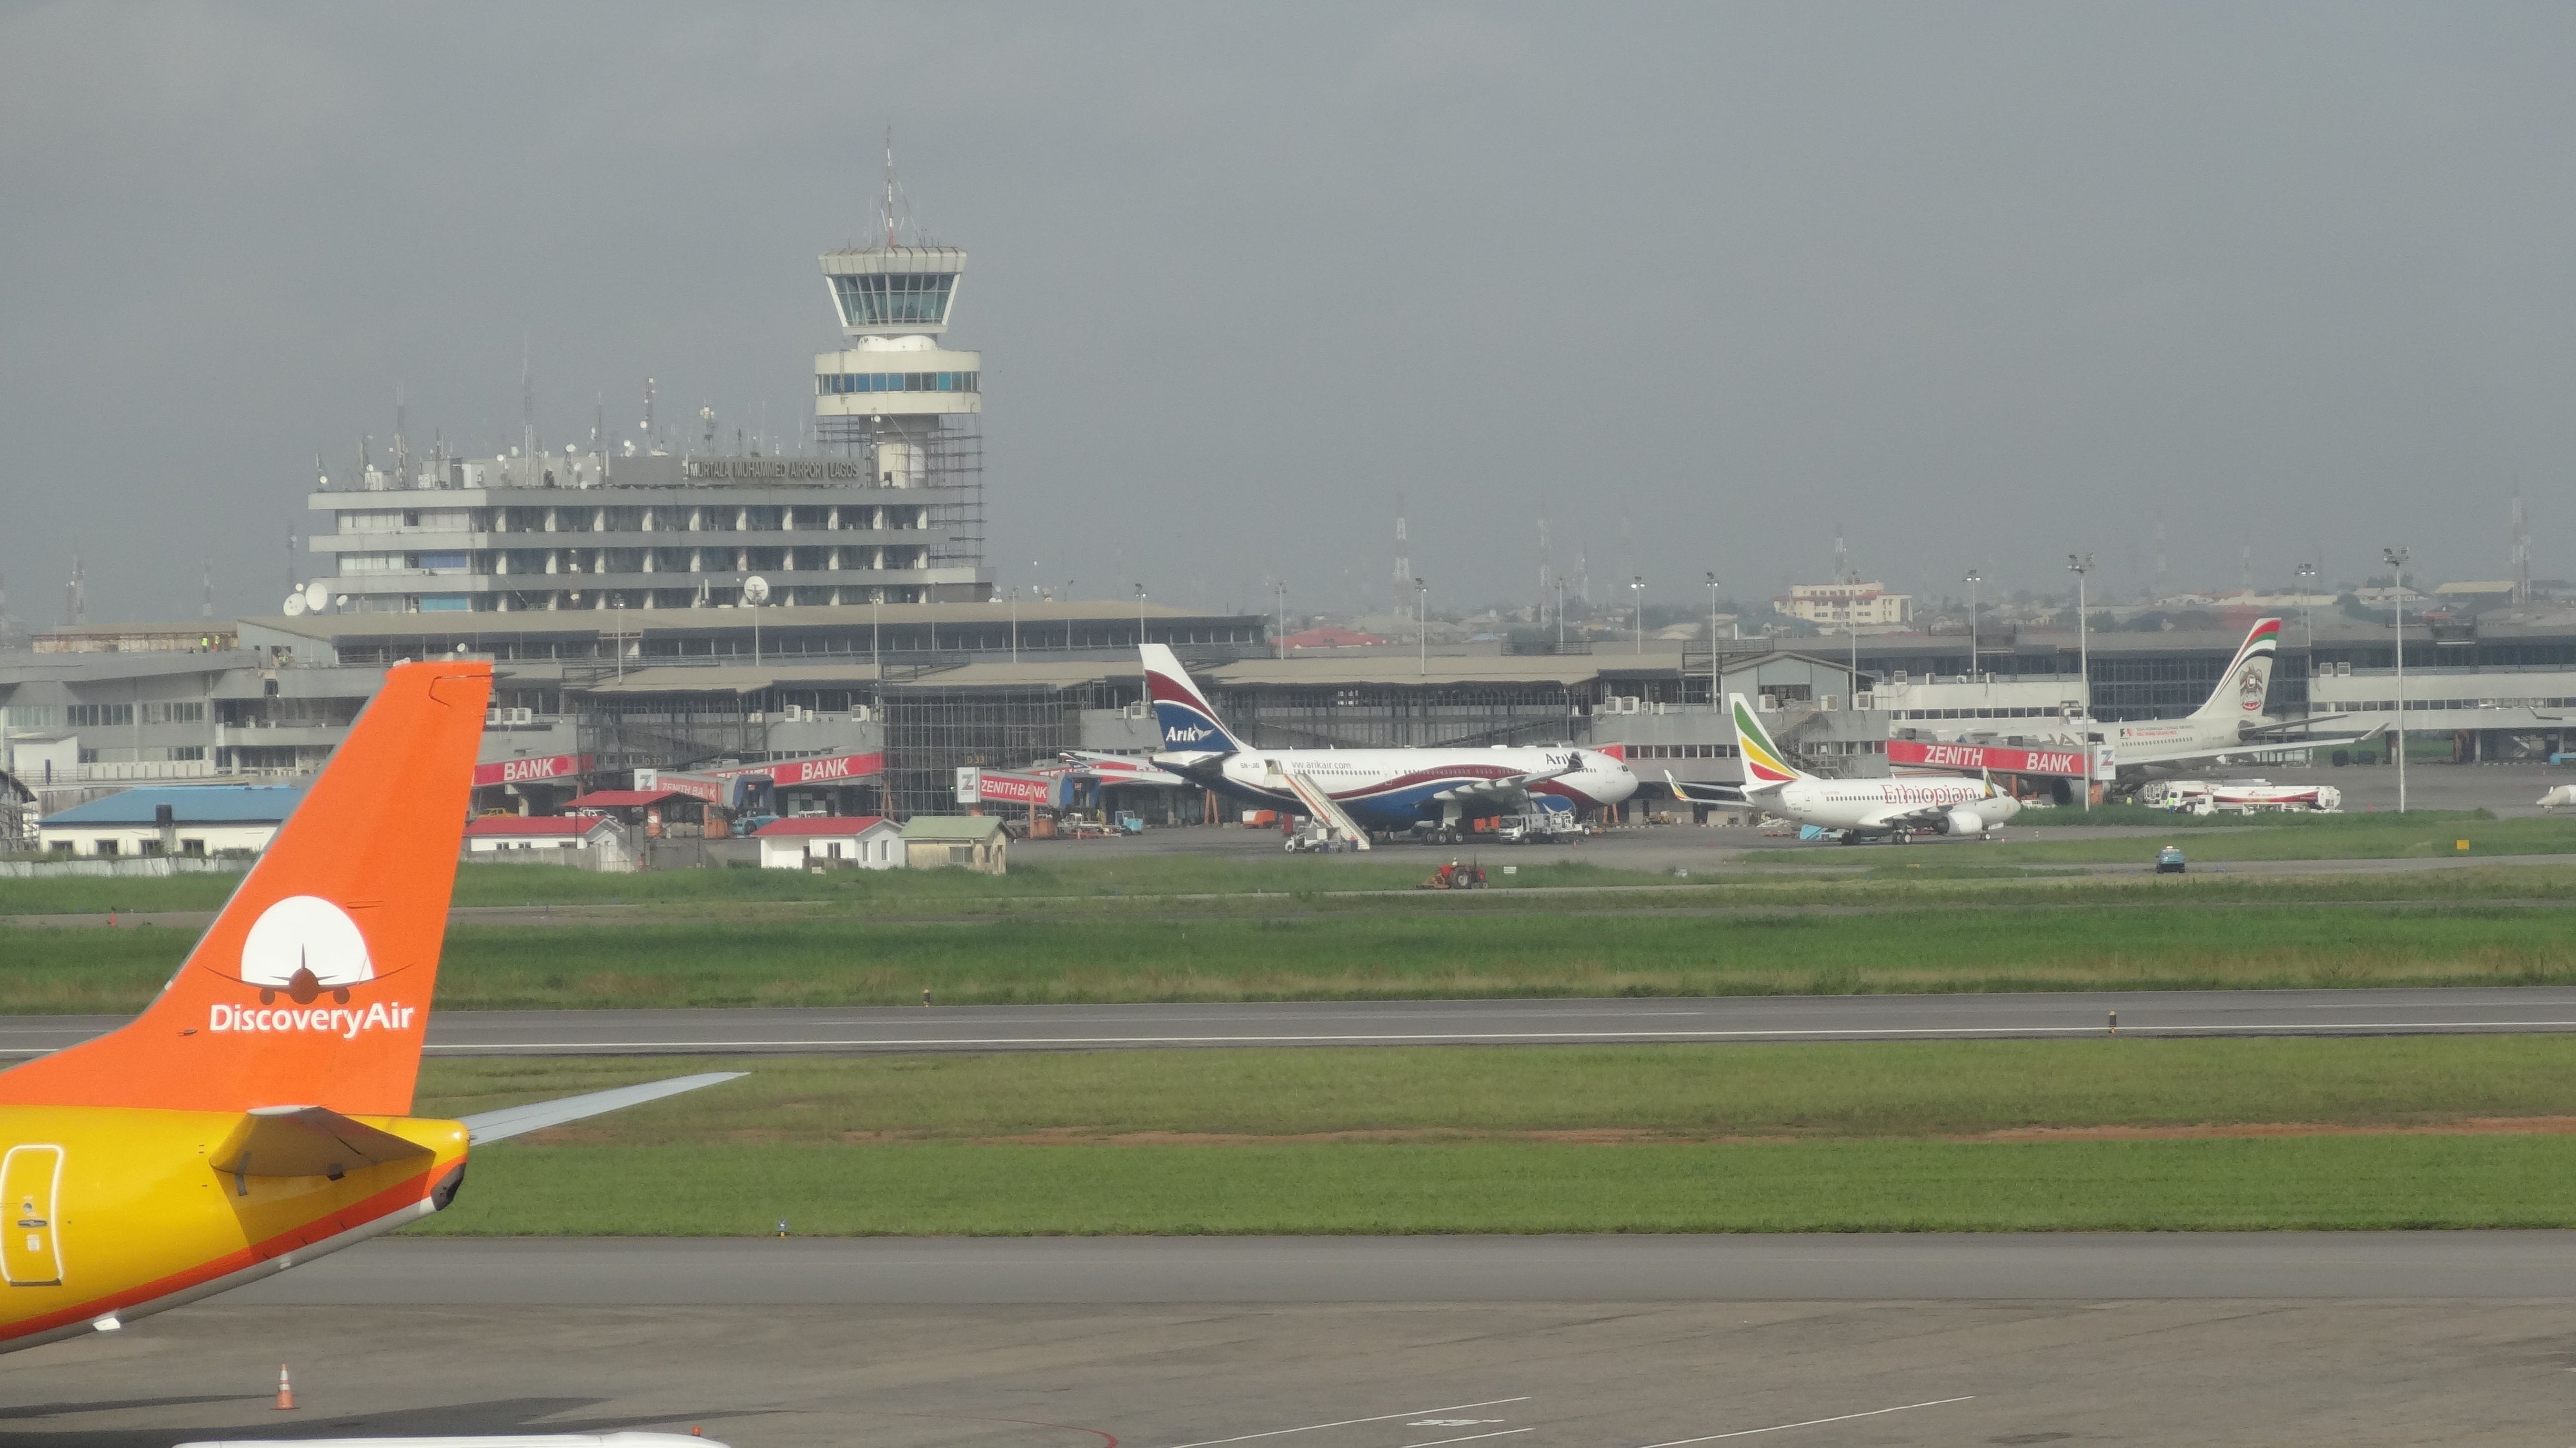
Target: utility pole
1421, 627
1712, 639
2079, 565
1975, 577
2397, 601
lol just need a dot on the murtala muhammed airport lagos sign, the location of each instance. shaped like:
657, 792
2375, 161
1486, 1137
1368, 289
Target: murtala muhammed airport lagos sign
2001, 759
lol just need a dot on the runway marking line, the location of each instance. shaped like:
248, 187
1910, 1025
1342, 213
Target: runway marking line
1363, 1038
1810, 1423
1470, 1438
1348, 1422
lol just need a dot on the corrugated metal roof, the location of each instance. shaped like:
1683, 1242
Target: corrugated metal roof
1567, 670
215, 804
623, 798
580, 622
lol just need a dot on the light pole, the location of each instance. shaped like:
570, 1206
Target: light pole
1712, 638
1421, 627
1140, 616
1015, 625
1560, 615
1975, 577
2307, 611
876, 636
1280, 587
1637, 591
2079, 565
2397, 602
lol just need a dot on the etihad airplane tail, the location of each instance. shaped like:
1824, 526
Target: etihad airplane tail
1187, 719
2248, 680
1765, 766
312, 987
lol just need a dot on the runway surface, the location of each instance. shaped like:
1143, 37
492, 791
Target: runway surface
949, 1272
1530, 1343
853, 1030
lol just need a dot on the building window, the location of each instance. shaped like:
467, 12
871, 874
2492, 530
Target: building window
894, 300
103, 847
183, 711
99, 716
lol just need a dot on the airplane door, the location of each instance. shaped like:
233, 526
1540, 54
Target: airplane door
30, 1253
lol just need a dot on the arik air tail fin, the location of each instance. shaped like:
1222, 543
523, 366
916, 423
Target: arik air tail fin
312, 987
1187, 719
1765, 766
2242, 689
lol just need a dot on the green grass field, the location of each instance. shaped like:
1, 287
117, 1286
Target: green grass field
1031, 957
1640, 1093
1645, 1139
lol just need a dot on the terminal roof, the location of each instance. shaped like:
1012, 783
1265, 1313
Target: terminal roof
206, 804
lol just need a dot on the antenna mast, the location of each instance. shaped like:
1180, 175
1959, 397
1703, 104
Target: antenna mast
889, 188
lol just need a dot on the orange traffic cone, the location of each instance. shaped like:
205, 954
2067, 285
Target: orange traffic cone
285, 1391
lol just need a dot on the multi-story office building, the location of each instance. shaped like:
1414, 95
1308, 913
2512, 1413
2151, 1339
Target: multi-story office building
888, 509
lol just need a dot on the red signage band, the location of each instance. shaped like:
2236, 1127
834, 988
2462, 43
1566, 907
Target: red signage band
1014, 788
521, 771
806, 771
2002, 759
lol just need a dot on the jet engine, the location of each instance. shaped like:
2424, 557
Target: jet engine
1962, 820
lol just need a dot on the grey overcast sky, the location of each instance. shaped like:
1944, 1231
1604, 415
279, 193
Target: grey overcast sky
1979, 283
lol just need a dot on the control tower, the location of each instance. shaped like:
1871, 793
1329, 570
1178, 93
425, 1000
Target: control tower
898, 397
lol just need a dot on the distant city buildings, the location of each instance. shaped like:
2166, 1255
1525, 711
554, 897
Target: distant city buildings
1848, 604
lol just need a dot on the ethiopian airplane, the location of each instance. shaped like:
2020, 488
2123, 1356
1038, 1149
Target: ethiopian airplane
258, 1113
1393, 791
2230, 721
1859, 808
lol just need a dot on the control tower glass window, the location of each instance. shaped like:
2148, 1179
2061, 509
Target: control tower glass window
907, 299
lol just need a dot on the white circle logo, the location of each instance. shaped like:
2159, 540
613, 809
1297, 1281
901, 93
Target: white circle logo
305, 945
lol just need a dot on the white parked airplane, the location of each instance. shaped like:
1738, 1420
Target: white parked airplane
1373, 790
2230, 721
1902, 808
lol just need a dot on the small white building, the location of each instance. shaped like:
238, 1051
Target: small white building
173, 820
543, 839
863, 842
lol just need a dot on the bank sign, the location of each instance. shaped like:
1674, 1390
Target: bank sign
532, 771
993, 786
2001, 759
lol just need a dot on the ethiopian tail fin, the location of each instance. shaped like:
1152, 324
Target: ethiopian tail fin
1188, 721
1765, 766
312, 987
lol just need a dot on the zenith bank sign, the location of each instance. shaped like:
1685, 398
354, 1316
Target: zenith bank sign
524, 771
1999, 758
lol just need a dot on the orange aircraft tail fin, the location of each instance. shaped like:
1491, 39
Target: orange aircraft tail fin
312, 988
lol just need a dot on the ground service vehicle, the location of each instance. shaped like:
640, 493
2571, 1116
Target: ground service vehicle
2169, 860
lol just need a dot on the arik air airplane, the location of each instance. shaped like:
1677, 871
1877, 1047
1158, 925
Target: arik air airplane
1393, 791
1924, 805
258, 1113
2231, 721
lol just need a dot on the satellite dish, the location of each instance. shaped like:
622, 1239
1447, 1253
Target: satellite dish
342, 602
755, 589
315, 595
294, 605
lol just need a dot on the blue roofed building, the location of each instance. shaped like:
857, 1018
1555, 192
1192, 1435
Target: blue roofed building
172, 820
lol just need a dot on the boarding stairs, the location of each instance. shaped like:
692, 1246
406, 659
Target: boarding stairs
1321, 808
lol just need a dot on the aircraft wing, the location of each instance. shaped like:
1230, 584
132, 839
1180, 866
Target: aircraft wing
1120, 768
1511, 788
512, 1121
1698, 793
2266, 731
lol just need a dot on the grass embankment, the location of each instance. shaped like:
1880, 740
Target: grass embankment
1030, 957
2287, 837
1644, 1139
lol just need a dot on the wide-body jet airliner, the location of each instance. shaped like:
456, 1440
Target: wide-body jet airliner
1392, 791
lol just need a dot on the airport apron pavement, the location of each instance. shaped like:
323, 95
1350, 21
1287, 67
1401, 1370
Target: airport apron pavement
875, 1030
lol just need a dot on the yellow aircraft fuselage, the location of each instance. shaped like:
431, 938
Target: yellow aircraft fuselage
116, 1212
